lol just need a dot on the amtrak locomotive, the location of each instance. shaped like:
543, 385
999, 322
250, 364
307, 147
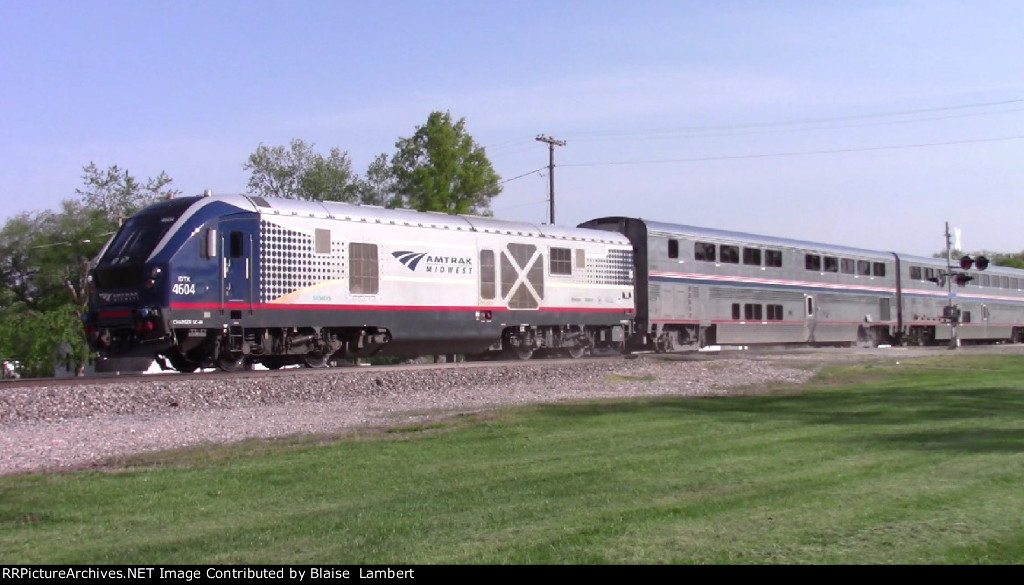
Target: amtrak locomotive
235, 280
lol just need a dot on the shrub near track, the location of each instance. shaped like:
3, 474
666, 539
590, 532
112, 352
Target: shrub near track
915, 463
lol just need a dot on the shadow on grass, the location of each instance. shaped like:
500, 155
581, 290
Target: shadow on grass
962, 419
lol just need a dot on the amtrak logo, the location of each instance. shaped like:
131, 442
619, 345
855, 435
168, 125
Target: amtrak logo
434, 264
410, 259
121, 297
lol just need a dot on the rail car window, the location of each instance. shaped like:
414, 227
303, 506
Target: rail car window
916, 273
752, 256
884, 310
673, 248
735, 311
730, 254
1004, 281
774, 312
561, 261
985, 280
863, 268
965, 316
812, 262
488, 286
1015, 283
773, 258
831, 264
235, 247
363, 276
752, 312
704, 251
879, 269
847, 266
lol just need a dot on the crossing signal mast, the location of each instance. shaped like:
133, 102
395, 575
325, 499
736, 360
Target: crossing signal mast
951, 312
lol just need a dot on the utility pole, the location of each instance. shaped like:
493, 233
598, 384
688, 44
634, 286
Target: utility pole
552, 143
951, 312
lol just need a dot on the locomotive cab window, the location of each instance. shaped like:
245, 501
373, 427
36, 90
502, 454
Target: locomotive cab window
363, 273
235, 245
561, 261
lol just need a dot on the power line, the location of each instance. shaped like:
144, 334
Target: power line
522, 175
709, 133
796, 153
755, 125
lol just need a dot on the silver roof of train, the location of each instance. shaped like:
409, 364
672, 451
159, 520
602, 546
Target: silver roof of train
768, 241
372, 214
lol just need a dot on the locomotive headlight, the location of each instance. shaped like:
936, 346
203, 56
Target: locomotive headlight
154, 275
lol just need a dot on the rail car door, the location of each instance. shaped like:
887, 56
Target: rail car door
236, 267
810, 317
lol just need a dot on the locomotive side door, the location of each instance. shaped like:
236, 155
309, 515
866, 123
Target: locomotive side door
236, 260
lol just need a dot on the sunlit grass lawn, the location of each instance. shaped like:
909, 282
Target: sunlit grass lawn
921, 462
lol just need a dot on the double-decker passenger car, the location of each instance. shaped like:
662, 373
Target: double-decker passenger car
699, 286
987, 304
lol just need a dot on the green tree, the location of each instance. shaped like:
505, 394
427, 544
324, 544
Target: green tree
441, 168
44, 264
298, 172
118, 194
379, 185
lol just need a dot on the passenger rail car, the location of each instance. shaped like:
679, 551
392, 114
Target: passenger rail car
989, 306
236, 279
698, 287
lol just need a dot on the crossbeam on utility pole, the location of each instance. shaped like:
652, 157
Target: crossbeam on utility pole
552, 143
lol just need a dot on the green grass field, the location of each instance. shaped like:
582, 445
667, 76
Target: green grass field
916, 463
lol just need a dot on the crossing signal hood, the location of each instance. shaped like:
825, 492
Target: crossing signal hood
981, 262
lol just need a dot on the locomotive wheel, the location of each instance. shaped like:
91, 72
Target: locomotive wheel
576, 351
522, 352
230, 363
315, 359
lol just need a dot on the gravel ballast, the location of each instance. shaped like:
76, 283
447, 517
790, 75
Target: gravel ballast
45, 428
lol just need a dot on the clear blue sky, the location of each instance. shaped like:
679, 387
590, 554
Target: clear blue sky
863, 123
